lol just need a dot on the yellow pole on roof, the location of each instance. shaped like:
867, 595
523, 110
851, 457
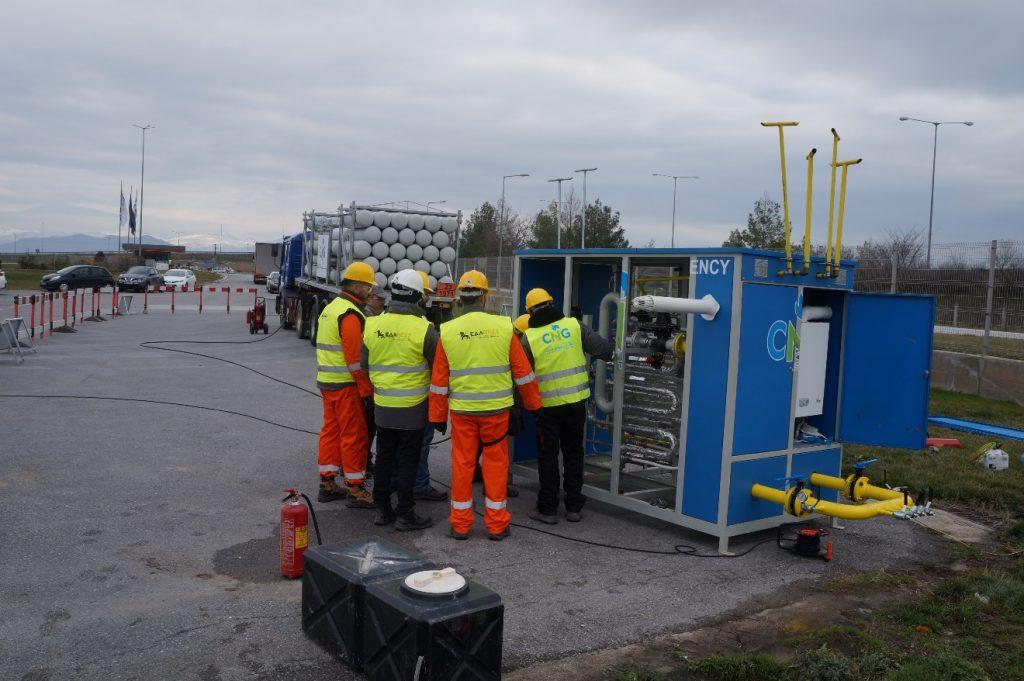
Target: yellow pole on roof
845, 165
807, 216
785, 192
831, 203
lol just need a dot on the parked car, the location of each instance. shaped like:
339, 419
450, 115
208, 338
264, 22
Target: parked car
3, 279
274, 282
138, 278
183, 279
75, 277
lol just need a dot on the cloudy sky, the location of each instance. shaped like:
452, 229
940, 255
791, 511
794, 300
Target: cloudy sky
265, 109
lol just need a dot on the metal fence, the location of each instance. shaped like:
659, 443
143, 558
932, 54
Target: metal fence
978, 289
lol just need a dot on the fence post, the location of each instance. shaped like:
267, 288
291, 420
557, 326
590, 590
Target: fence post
988, 312
892, 282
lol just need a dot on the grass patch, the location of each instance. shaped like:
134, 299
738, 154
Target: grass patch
21, 280
876, 579
739, 667
1012, 348
206, 278
639, 674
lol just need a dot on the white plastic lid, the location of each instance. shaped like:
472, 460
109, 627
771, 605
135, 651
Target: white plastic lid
436, 582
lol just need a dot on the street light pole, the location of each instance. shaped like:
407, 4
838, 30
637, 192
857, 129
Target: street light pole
142, 189
675, 183
501, 219
583, 233
935, 147
558, 211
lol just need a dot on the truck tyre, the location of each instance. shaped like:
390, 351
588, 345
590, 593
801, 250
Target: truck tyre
314, 321
302, 318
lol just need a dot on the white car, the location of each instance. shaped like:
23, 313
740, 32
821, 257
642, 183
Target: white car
3, 279
180, 279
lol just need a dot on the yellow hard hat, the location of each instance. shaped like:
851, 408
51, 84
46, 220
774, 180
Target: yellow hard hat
522, 323
536, 297
359, 271
473, 279
426, 282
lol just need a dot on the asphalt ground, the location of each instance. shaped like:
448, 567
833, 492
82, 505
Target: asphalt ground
139, 540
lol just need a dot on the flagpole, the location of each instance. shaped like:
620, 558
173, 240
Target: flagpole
120, 213
142, 188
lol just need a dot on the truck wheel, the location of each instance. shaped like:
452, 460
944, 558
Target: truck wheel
302, 318
314, 322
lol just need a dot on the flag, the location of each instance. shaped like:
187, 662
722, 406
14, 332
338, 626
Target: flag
124, 214
131, 214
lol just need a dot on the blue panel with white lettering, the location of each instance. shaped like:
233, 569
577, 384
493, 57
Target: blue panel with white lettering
709, 369
764, 383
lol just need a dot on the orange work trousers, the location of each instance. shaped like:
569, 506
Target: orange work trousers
344, 441
468, 434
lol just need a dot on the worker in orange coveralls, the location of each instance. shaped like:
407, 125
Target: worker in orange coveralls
478, 359
346, 390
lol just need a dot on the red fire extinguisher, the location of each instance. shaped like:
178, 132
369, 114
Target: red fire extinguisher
295, 531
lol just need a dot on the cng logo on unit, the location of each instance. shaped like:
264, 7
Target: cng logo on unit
783, 341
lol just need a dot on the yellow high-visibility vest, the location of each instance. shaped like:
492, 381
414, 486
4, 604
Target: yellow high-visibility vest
398, 371
477, 347
559, 362
330, 359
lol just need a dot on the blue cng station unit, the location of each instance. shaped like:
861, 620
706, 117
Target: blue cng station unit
729, 373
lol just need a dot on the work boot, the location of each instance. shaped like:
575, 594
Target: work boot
541, 517
411, 521
359, 497
573, 516
461, 536
384, 517
330, 491
507, 532
430, 494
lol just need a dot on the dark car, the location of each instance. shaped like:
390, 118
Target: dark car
76, 276
274, 282
139, 278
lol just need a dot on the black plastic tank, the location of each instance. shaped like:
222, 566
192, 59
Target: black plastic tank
334, 582
455, 636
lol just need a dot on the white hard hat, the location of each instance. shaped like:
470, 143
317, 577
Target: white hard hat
408, 279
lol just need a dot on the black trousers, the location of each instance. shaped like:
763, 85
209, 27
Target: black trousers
398, 454
561, 428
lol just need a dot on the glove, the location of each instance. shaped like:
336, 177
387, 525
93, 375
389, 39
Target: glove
441, 427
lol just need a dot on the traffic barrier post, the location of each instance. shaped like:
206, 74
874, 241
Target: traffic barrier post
42, 316
200, 299
253, 291
65, 308
74, 307
145, 300
32, 319
16, 298
51, 313
113, 302
228, 289
172, 300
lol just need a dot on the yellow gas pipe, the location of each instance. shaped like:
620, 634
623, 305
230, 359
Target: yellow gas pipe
807, 215
801, 502
785, 190
831, 203
837, 254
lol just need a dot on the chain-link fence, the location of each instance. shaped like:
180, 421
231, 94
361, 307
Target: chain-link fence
978, 289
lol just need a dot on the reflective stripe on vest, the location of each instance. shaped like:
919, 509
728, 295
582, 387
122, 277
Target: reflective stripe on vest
559, 362
330, 357
398, 372
477, 347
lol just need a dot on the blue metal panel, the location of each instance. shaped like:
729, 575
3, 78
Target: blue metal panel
742, 506
709, 348
594, 282
827, 461
682, 252
886, 369
764, 385
548, 274
768, 272
291, 259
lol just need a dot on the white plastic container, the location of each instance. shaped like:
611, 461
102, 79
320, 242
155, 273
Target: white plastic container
995, 459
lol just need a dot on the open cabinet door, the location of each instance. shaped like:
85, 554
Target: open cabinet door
887, 365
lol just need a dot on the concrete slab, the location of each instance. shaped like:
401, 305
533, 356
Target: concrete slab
140, 538
956, 527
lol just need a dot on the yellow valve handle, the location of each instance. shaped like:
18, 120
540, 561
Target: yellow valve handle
807, 215
845, 165
831, 203
781, 125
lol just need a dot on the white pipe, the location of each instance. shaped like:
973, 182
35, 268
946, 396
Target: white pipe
812, 313
604, 324
707, 307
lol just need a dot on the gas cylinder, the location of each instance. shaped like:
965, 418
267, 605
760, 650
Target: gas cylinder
294, 533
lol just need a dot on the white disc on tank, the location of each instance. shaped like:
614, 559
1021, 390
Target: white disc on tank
399, 220
380, 250
422, 266
397, 252
372, 262
388, 266
381, 280
404, 264
406, 237
435, 582
360, 234
430, 253
415, 221
438, 269
362, 249
433, 281
432, 222
448, 255
372, 234
389, 235
336, 233
414, 252
334, 275
424, 238
346, 220
382, 218
441, 239
449, 225
364, 218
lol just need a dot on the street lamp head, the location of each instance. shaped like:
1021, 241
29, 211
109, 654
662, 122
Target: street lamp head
904, 118
584, 170
968, 123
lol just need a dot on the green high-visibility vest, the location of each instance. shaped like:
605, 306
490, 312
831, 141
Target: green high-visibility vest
559, 362
477, 347
399, 373
330, 359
